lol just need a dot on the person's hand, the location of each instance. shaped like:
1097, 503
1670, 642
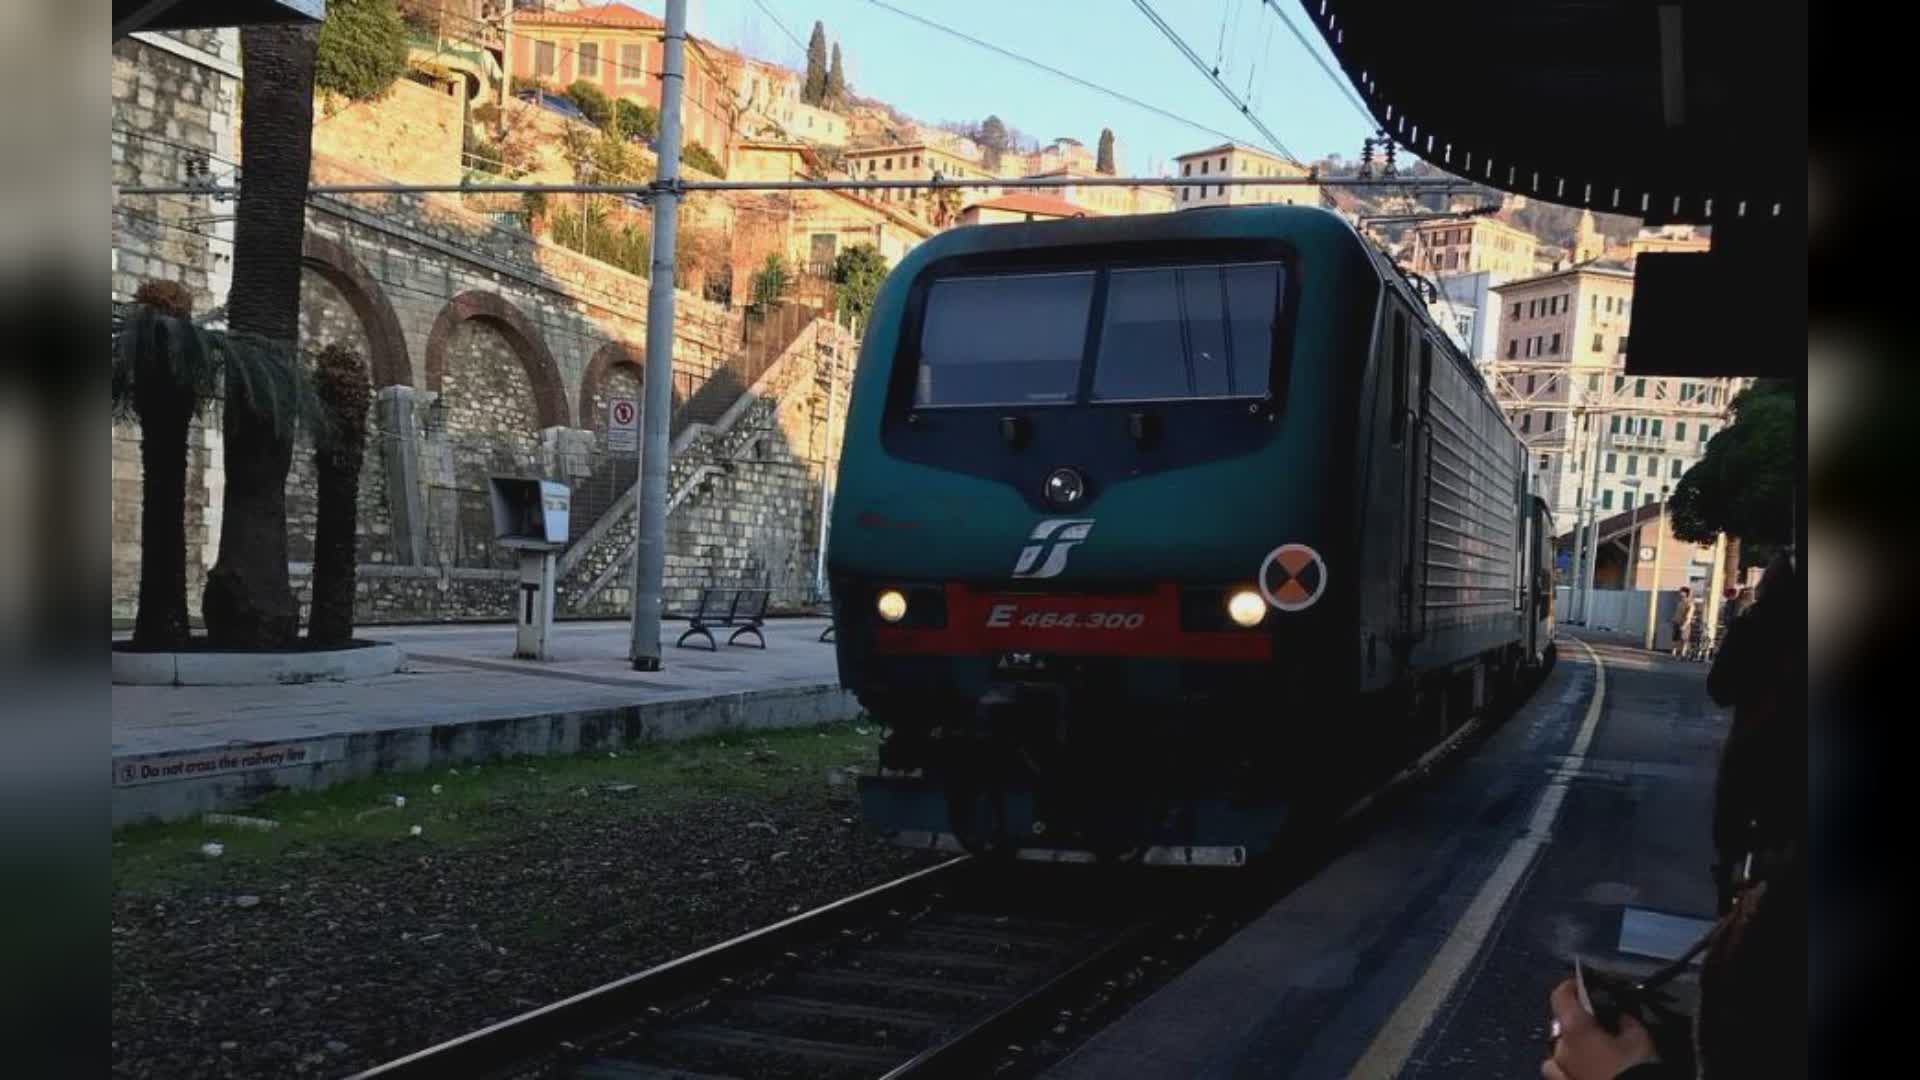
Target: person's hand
1587, 1051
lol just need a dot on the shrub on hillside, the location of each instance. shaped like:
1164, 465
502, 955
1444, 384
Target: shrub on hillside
363, 49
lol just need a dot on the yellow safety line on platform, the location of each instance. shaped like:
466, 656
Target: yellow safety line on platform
1389, 1050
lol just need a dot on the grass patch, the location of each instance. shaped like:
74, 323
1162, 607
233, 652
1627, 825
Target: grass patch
473, 804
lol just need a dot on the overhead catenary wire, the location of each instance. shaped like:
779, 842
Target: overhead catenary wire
1054, 71
1345, 88
1213, 76
1439, 184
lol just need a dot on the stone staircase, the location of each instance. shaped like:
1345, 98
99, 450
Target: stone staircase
593, 574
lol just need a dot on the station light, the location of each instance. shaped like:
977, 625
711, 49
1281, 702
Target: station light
1246, 608
892, 605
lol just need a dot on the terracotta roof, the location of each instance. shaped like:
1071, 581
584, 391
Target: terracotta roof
1027, 202
612, 16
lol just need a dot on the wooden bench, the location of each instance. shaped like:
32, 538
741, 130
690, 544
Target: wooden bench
742, 609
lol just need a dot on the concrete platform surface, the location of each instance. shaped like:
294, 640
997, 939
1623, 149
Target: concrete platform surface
180, 750
1427, 947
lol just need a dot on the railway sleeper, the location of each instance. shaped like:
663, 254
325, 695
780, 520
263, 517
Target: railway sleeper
980, 970
759, 1054
831, 1020
956, 999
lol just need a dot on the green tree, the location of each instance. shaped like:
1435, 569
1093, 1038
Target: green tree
814, 90
836, 81
857, 274
993, 136
1744, 484
592, 101
340, 445
1104, 162
634, 119
363, 49
770, 283
701, 158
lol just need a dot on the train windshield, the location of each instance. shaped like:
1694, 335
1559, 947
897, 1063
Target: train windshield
1013, 339
1188, 332
1168, 333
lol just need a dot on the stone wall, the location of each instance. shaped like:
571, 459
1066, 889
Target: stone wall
518, 341
175, 101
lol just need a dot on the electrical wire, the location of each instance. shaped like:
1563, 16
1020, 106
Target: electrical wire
1273, 141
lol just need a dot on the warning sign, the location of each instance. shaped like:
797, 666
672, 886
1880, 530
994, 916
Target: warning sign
623, 425
1293, 577
199, 763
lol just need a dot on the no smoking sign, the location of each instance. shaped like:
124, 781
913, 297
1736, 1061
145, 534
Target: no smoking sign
623, 424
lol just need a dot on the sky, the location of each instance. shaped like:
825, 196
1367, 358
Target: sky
933, 77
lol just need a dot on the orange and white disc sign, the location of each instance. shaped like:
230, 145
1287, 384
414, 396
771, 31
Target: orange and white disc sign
1293, 577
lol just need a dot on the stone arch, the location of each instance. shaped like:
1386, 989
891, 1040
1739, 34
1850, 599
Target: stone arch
614, 354
544, 375
388, 362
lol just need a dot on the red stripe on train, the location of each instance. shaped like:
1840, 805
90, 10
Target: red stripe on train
1136, 625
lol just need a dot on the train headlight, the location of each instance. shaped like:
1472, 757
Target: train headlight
1246, 608
891, 604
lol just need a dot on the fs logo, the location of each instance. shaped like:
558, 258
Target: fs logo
1046, 555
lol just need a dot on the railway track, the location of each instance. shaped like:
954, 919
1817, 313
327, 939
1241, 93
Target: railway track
933, 974
929, 975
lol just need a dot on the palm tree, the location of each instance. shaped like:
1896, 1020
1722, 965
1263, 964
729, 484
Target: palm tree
345, 392
249, 600
166, 369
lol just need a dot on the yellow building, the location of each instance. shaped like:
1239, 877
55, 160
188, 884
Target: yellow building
1470, 245
768, 97
1681, 238
1108, 199
1023, 206
919, 162
1235, 159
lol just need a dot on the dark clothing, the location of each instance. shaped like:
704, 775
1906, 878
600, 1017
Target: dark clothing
1760, 796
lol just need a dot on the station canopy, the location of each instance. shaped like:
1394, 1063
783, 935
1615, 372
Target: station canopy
1671, 112
130, 16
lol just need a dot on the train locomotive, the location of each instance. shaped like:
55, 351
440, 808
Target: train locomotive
1153, 535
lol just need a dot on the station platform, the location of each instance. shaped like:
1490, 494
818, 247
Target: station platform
182, 750
1428, 946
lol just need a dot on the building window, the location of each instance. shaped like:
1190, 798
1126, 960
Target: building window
1656, 427
587, 61
1533, 308
1526, 423
1639, 388
1676, 468
1513, 348
1529, 384
1613, 460
1706, 433
1623, 344
889, 165
1633, 465
1546, 422
1516, 311
1204, 166
1593, 384
1223, 164
1184, 192
1599, 342
633, 62
1220, 189
1553, 347
1680, 430
1626, 500
1545, 464
1606, 499
543, 59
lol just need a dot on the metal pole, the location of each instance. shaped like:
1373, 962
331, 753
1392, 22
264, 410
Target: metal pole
826, 474
1593, 560
1717, 584
506, 66
650, 517
1659, 554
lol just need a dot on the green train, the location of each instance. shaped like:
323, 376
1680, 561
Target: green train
1153, 534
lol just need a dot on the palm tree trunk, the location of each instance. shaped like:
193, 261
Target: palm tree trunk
345, 392
249, 599
160, 623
